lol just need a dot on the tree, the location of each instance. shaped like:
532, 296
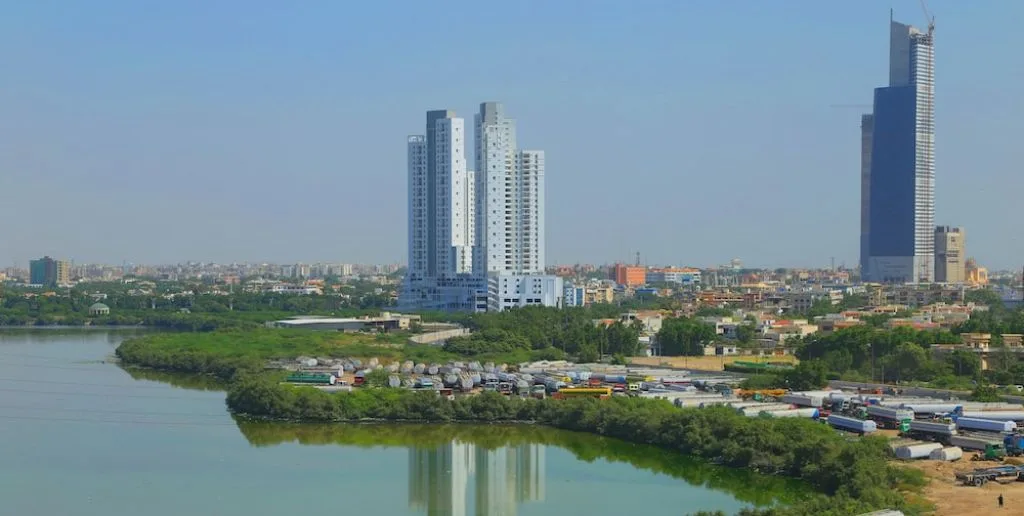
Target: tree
964, 363
684, 337
809, 375
985, 393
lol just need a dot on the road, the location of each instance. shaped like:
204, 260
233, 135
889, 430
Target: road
916, 391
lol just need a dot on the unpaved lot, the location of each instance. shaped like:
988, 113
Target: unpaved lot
707, 363
952, 499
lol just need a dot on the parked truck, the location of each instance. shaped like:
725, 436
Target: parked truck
930, 431
889, 417
979, 477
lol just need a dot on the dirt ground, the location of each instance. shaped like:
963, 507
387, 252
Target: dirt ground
709, 363
952, 499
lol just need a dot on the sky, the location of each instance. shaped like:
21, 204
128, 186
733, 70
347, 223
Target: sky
690, 131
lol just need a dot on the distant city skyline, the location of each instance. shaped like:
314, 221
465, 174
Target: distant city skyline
718, 135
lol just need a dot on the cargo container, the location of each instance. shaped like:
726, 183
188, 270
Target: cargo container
947, 454
916, 451
312, 378
985, 425
850, 424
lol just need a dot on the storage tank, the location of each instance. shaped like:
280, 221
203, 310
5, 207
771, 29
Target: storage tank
947, 454
466, 383
916, 451
438, 382
489, 367
419, 368
985, 425
932, 408
801, 412
392, 367
458, 365
896, 414
451, 380
395, 381
761, 407
502, 367
852, 424
475, 377
348, 367
585, 376
996, 415
973, 442
802, 400
475, 367
523, 385
357, 363
932, 427
615, 378
433, 369
406, 367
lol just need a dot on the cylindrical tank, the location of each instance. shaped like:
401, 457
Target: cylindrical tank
406, 367
852, 424
585, 376
932, 408
475, 367
615, 378
503, 367
800, 412
489, 367
357, 363
373, 362
444, 370
348, 367
598, 376
522, 385
916, 451
466, 383
947, 454
395, 381
897, 414
438, 382
996, 415
975, 442
802, 400
527, 377
985, 425
761, 407
433, 369
392, 367
451, 380
933, 427
475, 378
419, 368
458, 365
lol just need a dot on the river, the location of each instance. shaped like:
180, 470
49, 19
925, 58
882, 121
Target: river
80, 435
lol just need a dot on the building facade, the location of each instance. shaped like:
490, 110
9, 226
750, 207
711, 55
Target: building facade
950, 264
48, 272
630, 275
898, 173
476, 238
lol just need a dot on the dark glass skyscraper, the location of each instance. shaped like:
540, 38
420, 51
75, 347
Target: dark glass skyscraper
898, 165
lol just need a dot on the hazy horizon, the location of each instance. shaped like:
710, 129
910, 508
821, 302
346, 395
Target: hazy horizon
690, 132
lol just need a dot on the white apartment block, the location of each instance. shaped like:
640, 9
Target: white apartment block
530, 237
453, 198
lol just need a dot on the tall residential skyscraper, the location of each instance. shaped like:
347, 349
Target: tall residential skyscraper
442, 226
898, 173
476, 239
950, 266
49, 272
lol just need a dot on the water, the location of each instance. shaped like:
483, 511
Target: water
80, 435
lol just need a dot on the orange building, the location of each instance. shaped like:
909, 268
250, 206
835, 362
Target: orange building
630, 275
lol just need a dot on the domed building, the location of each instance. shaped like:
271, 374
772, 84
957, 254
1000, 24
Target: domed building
99, 309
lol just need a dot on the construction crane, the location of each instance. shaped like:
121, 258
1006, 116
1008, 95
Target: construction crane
928, 16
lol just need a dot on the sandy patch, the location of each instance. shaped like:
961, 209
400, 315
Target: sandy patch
953, 499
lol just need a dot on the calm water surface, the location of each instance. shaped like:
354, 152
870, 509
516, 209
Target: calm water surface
81, 436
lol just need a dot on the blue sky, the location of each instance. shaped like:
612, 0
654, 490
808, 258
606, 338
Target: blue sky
691, 131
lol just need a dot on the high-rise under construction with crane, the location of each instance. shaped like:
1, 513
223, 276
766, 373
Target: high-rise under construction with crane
898, 164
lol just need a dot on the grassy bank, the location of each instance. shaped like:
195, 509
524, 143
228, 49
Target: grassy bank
228, 352
851, 476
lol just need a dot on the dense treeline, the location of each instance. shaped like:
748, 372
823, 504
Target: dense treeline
178, 306
570, 331
853, 475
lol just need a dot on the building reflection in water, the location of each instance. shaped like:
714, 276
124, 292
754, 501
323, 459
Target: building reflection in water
442, 478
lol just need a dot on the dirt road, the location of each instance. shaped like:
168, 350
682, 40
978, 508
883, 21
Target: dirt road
952, 499
708, 363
